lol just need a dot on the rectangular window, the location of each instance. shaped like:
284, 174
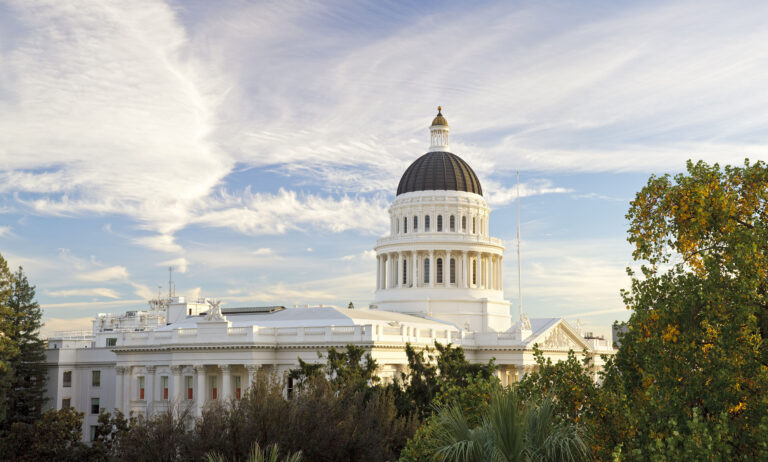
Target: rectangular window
290, 387
426, 271
214, 389
452, 222
94, 405
67, 380
464, 224
405, 224
474, 272
141, 386
453, 271
415, 224
164, 385
65, 403
96, 378
426, 223
237, 387
439, 269
111, 342
92, 434
405, 271
188, 386
439, 223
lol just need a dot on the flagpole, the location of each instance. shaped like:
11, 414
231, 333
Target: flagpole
519, 277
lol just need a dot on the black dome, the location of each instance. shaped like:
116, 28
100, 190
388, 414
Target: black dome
443, 171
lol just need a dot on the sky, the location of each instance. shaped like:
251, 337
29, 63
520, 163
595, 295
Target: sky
255, 146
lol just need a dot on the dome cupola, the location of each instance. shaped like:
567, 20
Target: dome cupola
439, 169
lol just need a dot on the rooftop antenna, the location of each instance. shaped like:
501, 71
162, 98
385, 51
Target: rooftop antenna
170, 281
519, 278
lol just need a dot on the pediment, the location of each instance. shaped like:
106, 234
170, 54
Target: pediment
559, 337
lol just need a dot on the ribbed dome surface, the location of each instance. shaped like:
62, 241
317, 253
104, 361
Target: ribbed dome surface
440, 171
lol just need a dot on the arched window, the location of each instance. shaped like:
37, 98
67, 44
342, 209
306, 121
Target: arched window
426, 223
464, 224
439, 223
405, 224
405, 271
439, 268
415, 223
426, 271
474, 272
453, 271
474, 229
452, 223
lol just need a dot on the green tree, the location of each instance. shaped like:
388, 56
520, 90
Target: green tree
23, 317
269, 454
472, 397
57, 435
432, 371
578, 399
694, 363
352, 367
8, 348
510, 431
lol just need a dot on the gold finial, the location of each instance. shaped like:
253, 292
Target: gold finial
439, 119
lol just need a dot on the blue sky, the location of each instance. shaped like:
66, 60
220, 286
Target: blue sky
255, 146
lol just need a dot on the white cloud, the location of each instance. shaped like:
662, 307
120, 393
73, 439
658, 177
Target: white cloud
110, 114
263, 251
496, 194
5, 231
95, 292
106, 274
264, 213
179, 264
52, 325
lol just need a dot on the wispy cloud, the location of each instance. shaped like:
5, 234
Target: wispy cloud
105, 274
95, 292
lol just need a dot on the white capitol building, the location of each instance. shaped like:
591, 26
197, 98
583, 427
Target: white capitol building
439, 279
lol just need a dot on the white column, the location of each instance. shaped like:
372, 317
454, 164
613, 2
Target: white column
448, 264
388, 276
399, 271
199, 392
226, 383
119, 382
415, 270
501, 272
445, 270
177, 393
128, 394
492, 277
149, 384
465, 270
432, 266
382, 271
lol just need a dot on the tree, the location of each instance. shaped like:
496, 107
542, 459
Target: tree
352, 367
8, 348
269, 454
510, 431
432, 371
55, 436
578, 399
28, 381
695, 359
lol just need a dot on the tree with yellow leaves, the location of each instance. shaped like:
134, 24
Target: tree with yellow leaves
694, 364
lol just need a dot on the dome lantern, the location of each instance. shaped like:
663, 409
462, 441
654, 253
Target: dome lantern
439, 133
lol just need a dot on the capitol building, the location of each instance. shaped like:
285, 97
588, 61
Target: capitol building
438, 279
